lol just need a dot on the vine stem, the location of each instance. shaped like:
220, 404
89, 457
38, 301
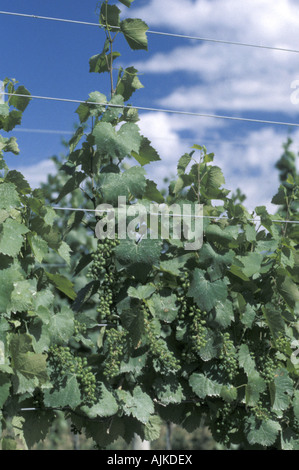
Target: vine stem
287, 216
111, 40
92, 170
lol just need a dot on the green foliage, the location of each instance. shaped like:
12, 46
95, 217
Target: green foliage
135, 330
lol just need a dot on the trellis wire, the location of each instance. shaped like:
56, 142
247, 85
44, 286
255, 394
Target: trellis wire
160, 110
74, 209
160, 33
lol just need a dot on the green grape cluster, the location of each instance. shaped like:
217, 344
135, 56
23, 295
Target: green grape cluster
197, 329
103, 269
115, 351
100, 258
157, 346
193, 317
228, 356
182, 295
282, 343
261, 410
104, 308
223, 424
185, 281
268, 367
65, 363
79, 328
266, 362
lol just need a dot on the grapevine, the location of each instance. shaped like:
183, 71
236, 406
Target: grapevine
133, 331
228, 356
261, 410
115, 340
79, 328
157, 347
224, 424
198, 329
103, 270
195, 320
63, 361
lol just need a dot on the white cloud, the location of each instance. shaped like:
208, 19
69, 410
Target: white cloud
217, 79
165, 133
248, 162
227, 77
250, 20
37, 174
229, 80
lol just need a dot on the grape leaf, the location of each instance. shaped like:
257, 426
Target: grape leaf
164, 306
183, 163
5, 385
152, 429
134, 30
288, 290
127, 3
115, 185
23, 295
71, 185
152, 193
63, 284
109, 16
65, 251
141, 292
202, 386
38, 246
205, 293
97, 64
217, 263
117, 144
139, 258
222, 316
128, 83
138, 404
20, 102
35, 426
105, 407
281, 391
146, 154
255, 386
25, 361
274, 319
7, 279
251, 263
66, 394
169, 391
9, 197
11, 237
61, 325
263, 433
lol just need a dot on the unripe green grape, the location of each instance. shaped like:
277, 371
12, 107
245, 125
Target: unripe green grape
157, 347
228, 356
65, 362
115, 342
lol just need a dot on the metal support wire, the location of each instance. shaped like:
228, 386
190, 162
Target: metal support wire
212, 217
160, 33
159, 110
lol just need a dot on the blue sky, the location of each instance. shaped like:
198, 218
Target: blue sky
52, 59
